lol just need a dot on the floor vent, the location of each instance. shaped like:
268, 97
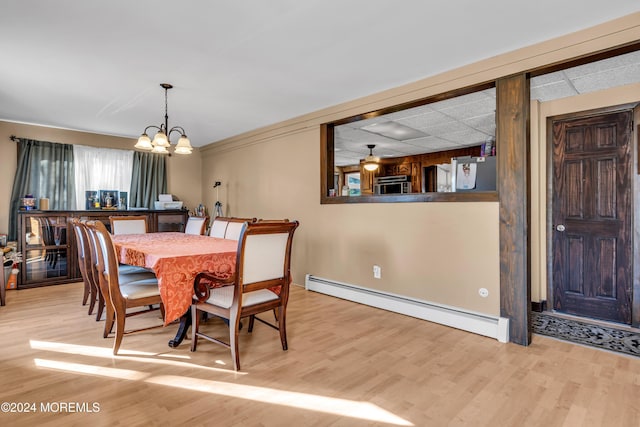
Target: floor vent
493, 327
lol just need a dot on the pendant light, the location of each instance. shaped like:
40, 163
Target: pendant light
161, 141
371, 162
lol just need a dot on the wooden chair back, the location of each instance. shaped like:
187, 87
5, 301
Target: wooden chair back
84, 263
102, 289
273, 220
128, 224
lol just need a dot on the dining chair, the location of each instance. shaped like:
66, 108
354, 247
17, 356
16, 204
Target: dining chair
84, 263
235, 227
260, 283
101, 292
218, 227
196, 225
275, 312
128, 224
97, 294
220, 224
3, 285
124, 291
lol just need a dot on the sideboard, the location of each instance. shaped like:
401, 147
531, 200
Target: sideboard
47, 242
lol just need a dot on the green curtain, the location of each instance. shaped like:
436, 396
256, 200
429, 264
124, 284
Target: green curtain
148, 179
45, 169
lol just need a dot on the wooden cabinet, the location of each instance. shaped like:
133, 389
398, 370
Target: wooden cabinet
366, 181
397, 168
48, 245
167, 221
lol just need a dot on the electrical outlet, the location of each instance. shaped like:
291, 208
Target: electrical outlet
483, 292
377, 272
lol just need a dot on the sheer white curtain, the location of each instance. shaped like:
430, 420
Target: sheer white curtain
101, 169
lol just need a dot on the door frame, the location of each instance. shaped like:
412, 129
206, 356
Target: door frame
635, 185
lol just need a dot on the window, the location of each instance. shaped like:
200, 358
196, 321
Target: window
410, 152
101, 169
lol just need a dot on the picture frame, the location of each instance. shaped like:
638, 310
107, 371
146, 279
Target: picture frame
353, 183
123, 200
466, 176
90, 199
109, 199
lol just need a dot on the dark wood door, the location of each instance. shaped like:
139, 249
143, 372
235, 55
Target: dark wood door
592, 216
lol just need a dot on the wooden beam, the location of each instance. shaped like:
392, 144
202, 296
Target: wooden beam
512, 141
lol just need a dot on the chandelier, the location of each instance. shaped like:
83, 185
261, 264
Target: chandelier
161, 141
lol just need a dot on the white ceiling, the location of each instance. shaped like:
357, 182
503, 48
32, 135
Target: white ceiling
240, 65
470, 119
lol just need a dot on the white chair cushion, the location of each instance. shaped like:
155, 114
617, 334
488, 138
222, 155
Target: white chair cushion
129, 226
233, 230
223, 297
140, 289
129, 269
125, 279
264, 257
194, 225
218, 228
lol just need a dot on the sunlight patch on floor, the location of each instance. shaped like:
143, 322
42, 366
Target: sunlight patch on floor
124, 374
135, 356
306, 401
311, 402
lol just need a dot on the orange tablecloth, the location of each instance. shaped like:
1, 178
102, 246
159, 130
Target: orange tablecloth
176, 258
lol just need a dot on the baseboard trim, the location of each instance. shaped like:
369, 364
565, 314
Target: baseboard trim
493, 327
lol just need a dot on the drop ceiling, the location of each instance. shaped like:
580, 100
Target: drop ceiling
470, 119
237, 66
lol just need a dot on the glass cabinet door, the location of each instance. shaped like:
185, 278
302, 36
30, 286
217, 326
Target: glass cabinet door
47, 246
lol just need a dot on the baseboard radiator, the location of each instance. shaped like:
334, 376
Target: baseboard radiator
493, 327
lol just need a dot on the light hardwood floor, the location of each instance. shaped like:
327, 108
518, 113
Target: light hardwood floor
347, 365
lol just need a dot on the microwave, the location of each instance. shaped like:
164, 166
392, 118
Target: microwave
397, 184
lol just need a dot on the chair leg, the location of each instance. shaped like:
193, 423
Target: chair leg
100, 307
234, 323
282, 328
120, 314
252, 320
110, 317
195, 324
92, 300
93, 297
87, 291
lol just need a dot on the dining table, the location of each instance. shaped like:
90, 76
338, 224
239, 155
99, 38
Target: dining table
176, 258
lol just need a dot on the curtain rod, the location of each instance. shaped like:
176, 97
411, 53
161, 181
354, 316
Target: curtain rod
14, 138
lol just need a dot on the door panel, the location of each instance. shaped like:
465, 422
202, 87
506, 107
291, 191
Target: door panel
591, 212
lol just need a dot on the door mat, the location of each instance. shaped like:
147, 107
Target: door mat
599, 336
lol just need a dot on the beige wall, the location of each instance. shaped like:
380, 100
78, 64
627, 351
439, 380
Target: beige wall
440, 252
183, 172
416, 244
